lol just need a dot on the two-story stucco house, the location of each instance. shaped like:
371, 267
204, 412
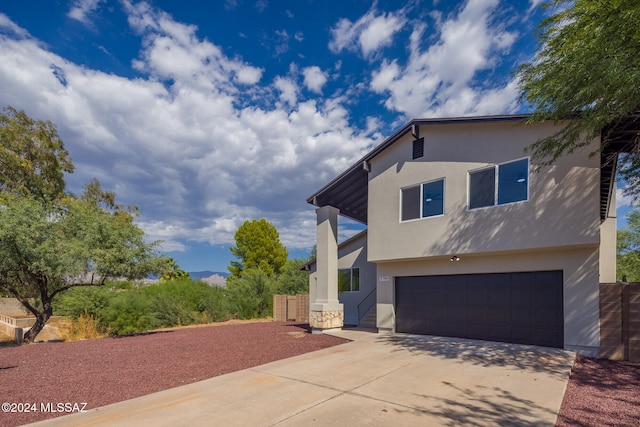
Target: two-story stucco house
467, 237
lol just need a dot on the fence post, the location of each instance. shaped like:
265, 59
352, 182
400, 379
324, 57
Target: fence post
633, 321
611, 334
280, 308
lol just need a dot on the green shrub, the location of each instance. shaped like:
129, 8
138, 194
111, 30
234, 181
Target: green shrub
123, 310
128, 312
251, 296
186, 301
76, 301
292, 280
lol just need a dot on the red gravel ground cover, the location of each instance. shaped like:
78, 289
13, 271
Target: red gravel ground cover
602, 393
108, 370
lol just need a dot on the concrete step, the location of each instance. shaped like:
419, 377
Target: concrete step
369, 321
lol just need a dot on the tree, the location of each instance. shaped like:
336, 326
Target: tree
171, 271
258, 246
48, 248
293, 280
587, 69
628, 249
251, 296
33, 159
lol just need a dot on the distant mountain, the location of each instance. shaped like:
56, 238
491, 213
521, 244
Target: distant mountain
204, 274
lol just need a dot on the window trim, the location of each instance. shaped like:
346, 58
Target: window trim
421, 201
496, 168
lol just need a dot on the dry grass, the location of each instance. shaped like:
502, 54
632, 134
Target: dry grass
85, 327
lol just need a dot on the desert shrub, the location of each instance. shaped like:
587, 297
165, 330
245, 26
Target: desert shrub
216, 306
76, 301
128, 313
186, 301
121, 310
251, 296
85, 326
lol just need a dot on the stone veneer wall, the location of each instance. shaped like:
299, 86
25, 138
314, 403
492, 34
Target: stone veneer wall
620, 321
326, 319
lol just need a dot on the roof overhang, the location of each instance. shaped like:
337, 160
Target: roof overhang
621, 137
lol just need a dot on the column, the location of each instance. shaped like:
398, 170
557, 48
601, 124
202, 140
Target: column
325, 311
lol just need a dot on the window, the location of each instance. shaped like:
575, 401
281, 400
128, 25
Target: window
422, 201
349, 280
501, 184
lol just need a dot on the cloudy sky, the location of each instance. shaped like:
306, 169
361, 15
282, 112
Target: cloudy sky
206, 114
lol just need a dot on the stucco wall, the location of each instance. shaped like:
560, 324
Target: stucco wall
563, 205
581, 287
352, 253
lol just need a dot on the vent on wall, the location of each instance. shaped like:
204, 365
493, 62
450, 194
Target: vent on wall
418, 148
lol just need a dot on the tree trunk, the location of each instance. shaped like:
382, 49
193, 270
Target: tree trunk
41, 320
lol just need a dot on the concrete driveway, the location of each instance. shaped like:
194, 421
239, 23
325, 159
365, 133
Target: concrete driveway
376, 379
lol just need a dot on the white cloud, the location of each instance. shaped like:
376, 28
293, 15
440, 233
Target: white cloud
368, 34
314, 78
81, 10
440, 81
10, 27
179, 140
534, 3
172, 51
288, 90
623, 200
379, 32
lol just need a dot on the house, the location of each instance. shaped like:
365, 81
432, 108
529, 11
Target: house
468, 237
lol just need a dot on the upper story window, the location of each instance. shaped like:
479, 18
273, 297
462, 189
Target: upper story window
499, 185
423, 200
349, 280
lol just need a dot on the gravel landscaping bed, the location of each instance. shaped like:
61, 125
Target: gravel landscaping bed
108, 370
602, 393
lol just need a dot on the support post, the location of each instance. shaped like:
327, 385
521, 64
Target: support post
325, 311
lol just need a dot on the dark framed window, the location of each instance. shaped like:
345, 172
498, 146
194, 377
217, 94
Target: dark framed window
499, 185
513, 181
423, 200
349, 280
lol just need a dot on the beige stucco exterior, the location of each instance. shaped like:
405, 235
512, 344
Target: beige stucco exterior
558, 227
563, 205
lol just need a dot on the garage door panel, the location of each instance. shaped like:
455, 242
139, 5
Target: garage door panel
498, 316
510, 307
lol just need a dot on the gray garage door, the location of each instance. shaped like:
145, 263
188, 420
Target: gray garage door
524, 308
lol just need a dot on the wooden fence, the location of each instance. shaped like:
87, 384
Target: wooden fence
620, 321
291, 307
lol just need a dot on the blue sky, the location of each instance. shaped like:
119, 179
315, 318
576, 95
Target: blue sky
206, 114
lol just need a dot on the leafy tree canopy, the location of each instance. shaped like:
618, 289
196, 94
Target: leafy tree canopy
32, 156
587, 68
46, 249
293, 280
258, 246
628, 250
172, 271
